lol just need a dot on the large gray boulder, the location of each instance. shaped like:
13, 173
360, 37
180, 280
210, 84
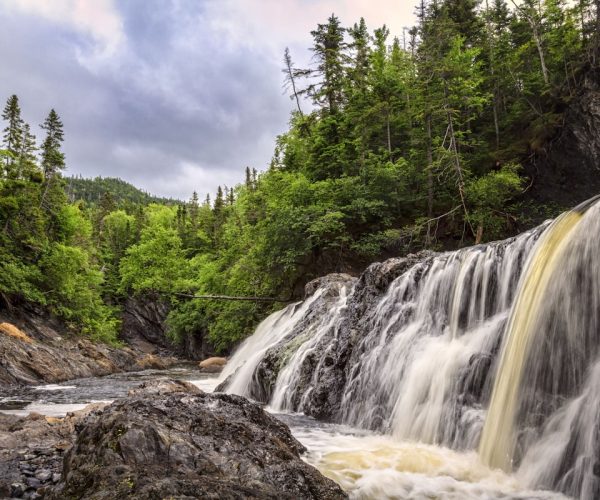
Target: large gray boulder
175, 441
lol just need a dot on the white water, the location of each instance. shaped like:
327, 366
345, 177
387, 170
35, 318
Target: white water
423, 362
276, 327
373, 466
419, 374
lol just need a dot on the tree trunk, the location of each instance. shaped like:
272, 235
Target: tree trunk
457, 165
538, 43
429, 169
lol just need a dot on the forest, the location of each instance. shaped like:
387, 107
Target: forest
395, 144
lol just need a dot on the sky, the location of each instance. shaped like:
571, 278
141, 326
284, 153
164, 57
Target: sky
174, 96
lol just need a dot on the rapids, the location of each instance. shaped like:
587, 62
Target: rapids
480, 365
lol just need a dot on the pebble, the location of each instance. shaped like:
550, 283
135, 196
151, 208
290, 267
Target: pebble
43, 475
32, 482
55, 477
17, 489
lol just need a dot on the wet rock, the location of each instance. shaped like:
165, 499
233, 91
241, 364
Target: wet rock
164, 387
212, 365
325, 369
32, 482
169, 443
31, 451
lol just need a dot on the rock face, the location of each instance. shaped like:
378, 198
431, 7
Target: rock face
267, 371
143, 323
569, 170
35, 348
144, 327
174, 441
328, 364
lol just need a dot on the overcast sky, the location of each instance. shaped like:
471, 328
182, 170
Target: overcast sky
170, 95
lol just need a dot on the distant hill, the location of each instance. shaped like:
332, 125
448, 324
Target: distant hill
92, 190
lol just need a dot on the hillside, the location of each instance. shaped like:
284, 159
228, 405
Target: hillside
92, 191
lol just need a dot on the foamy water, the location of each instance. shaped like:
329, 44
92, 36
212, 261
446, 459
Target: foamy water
371, 466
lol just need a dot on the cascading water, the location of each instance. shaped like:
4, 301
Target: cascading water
498, 440
418, 348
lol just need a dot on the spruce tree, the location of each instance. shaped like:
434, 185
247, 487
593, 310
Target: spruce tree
13, 133
194, 210
27, 161
53, 160
329, 50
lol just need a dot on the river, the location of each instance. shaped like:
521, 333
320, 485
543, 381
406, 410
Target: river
366, 464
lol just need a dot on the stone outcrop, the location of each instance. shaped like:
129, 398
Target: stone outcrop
36, 348
143, 323
143, 326
212, 365
567, 168
174, 441
326, 368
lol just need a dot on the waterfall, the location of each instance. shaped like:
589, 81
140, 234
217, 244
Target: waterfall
498, 439
492, 347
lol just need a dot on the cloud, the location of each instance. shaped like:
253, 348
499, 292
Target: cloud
98, 18
171, 95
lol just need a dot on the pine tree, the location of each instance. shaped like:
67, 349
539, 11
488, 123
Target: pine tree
329, 51
27, 161
53, 160
13, 133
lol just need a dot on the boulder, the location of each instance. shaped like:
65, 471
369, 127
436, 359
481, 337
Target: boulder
212, 365
174, 441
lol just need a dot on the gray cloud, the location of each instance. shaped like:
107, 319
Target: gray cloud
173, 96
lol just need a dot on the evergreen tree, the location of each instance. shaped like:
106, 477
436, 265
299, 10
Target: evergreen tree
13, 133
27, 160
290, 78
329, 50
53, 160
194, 211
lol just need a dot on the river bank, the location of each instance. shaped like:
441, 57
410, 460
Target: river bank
37, 348
366, 464
160, 437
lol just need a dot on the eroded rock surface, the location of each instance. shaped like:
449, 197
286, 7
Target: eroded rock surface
36, 348
175, 441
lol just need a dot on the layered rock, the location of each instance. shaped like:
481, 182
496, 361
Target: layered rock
174, 441
36, 348
144, 327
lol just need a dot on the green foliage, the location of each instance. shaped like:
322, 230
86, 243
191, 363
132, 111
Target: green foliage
124, 194
408, 146
47, 254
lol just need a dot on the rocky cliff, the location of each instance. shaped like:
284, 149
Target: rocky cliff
566, 169
36, 347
